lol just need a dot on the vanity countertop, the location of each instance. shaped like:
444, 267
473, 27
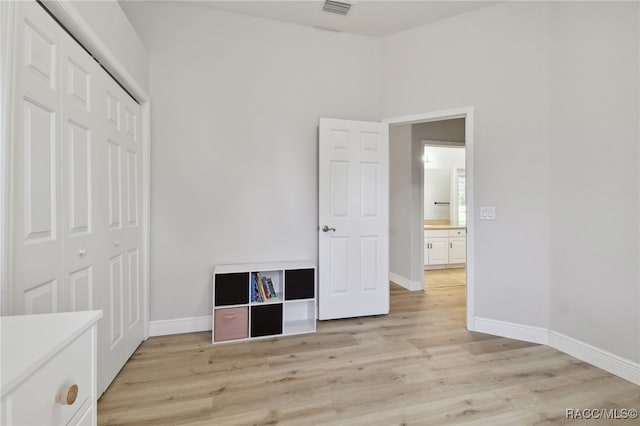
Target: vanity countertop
443, 227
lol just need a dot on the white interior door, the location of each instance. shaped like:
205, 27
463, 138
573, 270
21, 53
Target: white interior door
132, 219
113, 339
353, 254
81, 208
122, 228
37, 241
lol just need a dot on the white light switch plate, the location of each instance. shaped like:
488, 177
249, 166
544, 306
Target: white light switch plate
488, 213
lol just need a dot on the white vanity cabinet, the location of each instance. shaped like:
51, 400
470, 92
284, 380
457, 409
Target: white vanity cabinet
49, 369
457, 246
444, 247
436, 247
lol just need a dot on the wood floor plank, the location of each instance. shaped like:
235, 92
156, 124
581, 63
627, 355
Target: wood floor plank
416, 366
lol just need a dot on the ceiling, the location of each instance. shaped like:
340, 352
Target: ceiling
367, 17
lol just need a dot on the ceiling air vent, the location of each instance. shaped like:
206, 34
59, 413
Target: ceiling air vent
337, 7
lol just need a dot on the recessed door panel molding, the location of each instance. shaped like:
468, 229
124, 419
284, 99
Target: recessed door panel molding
132, 188
369, 189
40, 54
133, 287
39, 172
81, 291
42, 298
369, 258
131, 124
340, 140
369, 141
113, 110
339, 265
80, 163
116, 300
114, 183
78, 84
339, 188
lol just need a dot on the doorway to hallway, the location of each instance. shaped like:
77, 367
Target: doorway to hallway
407, 201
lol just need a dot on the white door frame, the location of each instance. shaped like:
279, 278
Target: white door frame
71, 19
467, 114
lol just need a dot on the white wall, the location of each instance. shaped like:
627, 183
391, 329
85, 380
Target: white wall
108, 20
400, 193
555, 90
594, 184
494, 59
235, 107
405, 207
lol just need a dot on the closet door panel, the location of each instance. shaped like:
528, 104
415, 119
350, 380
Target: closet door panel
132, 222
113, 351
37, 155
82, 244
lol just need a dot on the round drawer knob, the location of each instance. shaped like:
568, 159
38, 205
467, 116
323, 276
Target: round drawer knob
68, 395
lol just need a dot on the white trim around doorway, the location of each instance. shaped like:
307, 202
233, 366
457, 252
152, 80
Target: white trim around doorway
467, 114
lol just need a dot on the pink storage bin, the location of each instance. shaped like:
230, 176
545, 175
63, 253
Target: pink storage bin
231, 324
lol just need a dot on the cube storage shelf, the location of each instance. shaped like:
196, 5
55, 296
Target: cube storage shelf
237, 317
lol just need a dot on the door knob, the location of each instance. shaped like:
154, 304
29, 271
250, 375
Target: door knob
82, 252
327, 229
116, 243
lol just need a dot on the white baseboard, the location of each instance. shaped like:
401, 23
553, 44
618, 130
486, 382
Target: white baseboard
600, 358
607, 361
445, 266
405, 282
179, 326
512, 330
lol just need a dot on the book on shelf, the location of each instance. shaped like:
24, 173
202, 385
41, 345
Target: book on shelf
265, 286
257, 297
263, 294
272, 290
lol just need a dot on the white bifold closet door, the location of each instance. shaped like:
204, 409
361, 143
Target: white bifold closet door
76, 206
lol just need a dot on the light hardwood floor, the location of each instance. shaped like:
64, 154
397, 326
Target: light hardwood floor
418, 365
436, 278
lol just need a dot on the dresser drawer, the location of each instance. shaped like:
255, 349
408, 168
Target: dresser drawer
86, 415
231, 324
36, 400
457, 232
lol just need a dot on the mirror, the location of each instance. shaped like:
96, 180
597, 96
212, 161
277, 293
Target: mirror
444, 186
437, 195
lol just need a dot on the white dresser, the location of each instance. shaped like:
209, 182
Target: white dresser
48, 374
